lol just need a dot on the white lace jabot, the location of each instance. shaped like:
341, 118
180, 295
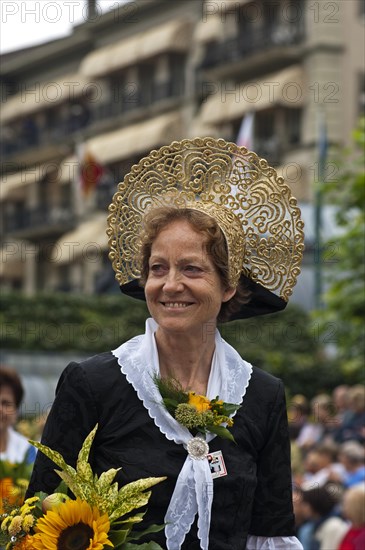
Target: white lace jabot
229, 378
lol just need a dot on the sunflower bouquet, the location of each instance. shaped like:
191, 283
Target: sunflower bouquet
196, 412
99, 516
14, 479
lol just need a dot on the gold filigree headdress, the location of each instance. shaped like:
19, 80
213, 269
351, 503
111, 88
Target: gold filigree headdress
251, 204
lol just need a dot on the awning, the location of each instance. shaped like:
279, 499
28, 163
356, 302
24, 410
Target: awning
84, 241
198, 129
12, 182
209, 28
136, 139
220, 6
42, 95
225, 5
233, 101
172, 36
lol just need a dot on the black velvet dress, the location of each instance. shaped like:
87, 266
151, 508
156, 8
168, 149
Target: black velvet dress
254, 498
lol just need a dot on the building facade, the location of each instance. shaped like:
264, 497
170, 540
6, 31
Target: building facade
78, 112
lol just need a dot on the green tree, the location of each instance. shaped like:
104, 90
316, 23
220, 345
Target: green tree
289, 345
344, 300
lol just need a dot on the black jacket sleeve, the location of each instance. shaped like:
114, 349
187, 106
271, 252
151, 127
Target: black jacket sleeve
71, 418
272, 510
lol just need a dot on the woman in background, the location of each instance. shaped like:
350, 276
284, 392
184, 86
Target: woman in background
14, 447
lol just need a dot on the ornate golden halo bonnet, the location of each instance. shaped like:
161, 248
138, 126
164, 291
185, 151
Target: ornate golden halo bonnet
250, 202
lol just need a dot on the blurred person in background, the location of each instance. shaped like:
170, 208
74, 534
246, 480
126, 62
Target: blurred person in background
320, 507
303, 522
353, 425
351, 455
298, 411
353, 509
321, 466
341, 402
14, 447
322, 423
296, 458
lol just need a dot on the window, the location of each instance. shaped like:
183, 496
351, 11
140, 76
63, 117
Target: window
362, 7
293, 125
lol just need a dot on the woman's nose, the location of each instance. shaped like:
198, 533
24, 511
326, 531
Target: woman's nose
173, 281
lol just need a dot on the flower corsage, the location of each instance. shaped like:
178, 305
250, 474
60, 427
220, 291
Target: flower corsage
196, 412
98, 517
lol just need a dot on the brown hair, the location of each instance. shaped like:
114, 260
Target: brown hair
9, 377
158, 218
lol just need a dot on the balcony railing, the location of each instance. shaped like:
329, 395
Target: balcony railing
38, 219
269, 149
248, 43
29, 135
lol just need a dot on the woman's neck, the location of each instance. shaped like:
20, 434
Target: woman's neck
186, 360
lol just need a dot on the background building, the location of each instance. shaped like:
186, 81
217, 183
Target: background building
287, 78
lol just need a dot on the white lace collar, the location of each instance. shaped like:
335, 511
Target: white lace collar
229, 379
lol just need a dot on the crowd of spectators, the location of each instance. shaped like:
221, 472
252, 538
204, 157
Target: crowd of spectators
327, 440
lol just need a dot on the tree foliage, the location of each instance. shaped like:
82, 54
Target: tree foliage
288, 345
345, 298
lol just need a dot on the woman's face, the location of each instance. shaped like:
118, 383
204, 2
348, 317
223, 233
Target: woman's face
184, 292
8, 409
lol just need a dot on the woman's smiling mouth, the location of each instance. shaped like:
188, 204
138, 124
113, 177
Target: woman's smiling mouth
176, 304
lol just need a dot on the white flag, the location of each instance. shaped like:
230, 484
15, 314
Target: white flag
245, 136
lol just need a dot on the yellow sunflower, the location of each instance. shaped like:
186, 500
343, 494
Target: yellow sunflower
73, 525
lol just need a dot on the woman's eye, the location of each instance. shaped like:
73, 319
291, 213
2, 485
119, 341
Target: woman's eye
193, 269
157, 268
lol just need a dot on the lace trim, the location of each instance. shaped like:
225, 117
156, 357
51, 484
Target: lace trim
229, 378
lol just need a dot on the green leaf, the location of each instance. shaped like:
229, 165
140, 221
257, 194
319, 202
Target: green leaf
83, 467
151, 529
170, 405
221, 431
146, 546
118, 537
73, 483
106, 478
230, 408
61, 488
56, 457
171, 388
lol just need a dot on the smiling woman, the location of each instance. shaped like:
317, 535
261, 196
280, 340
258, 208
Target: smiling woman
211, 252
204, 231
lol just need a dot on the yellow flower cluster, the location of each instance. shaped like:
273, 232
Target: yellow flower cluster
20, 520
201, 413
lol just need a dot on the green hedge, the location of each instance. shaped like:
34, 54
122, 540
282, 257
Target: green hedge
287, 344
65, 322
